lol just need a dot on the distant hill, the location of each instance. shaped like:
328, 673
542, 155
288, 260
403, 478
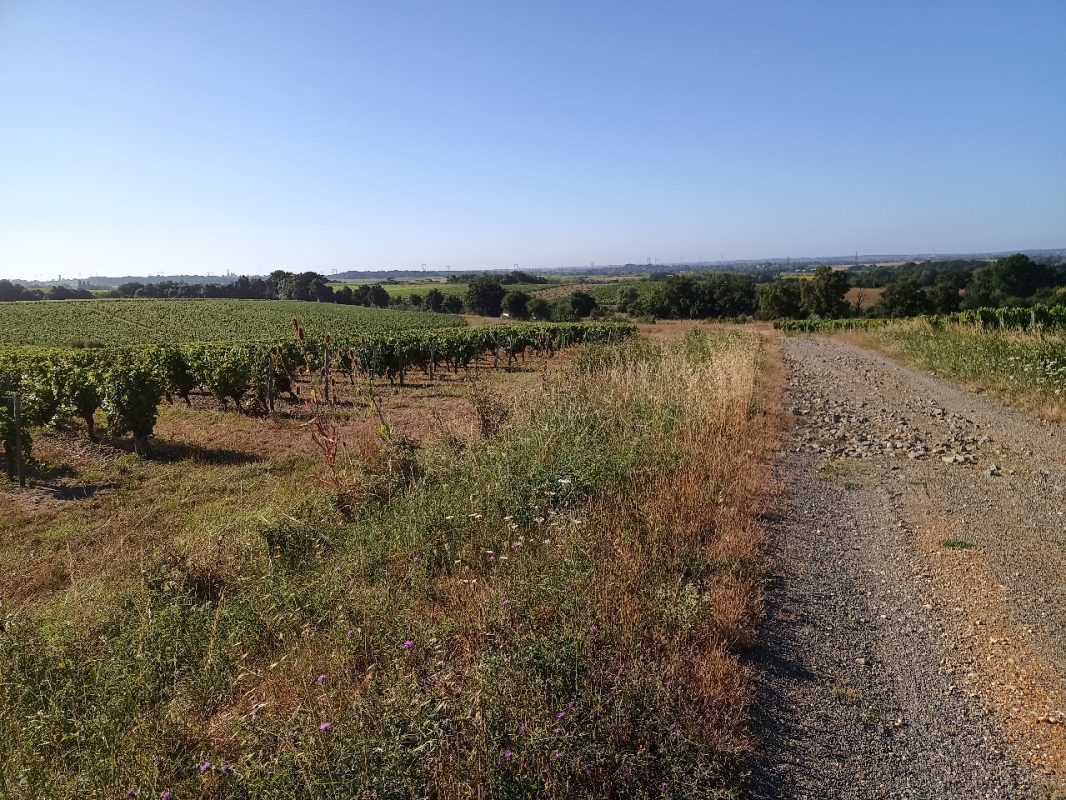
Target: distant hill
776, 263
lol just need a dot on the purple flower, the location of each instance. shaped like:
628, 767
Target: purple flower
557, 755
560, 715
131, 794
326, 726
350, 633
166, 795
321, 679
507, 755
594, 628
505, 602
205, 766
409, 644
571, 705
664, 785
227, 769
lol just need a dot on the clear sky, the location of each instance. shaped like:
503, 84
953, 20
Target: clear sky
142, 137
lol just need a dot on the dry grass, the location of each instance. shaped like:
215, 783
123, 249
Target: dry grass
557, 611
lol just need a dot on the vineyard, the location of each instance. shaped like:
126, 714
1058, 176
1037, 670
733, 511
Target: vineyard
1047, 318
93, 323
127, 383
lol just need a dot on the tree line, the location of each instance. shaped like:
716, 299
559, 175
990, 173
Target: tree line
909, 290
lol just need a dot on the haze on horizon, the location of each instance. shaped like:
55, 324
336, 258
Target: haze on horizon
203, 137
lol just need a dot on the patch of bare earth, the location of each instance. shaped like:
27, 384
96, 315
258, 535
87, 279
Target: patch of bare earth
93, 510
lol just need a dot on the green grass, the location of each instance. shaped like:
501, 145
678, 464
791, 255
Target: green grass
1026, 368
128, 322
502, 626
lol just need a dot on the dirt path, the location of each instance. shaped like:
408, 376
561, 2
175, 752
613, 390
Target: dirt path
916, 637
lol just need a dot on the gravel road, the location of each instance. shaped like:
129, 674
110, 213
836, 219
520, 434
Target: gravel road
915, 644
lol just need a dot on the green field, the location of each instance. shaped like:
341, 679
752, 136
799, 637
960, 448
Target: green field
403, 291
121, 322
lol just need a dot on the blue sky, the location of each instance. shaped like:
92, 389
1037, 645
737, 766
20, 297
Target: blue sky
205, 136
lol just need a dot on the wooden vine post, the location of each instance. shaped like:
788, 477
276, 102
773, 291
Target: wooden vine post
15, 465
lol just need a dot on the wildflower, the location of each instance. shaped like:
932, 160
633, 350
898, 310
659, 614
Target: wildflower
664, 785
321, 679
560, 715
507, 755
205, 766
227, 769
416, 558
350, 633
564, 481
408, 644
505, 602
131, 794
571, 705
557, 755
326, 726
166, 795
594, 628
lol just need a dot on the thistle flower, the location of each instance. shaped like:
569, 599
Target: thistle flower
507, 755
594, 628
409, 644
166, 795
227, 769
321, 679
325, 726
205, 766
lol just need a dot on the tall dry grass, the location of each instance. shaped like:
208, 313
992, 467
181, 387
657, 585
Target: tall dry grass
557, 611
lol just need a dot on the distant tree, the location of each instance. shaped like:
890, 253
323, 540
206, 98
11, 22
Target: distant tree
453, 304
415, 300
378, 296
274, 281
583, 303
516, 276
484, 295
563, 311
627, 298
434, 300
516, 304
699, 297
540, 309
344, 296
903, 298
13, 291
779, 299
1007, 281
60, 292
944, 298
823, 295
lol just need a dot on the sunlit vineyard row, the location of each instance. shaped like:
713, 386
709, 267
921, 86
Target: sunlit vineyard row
91, 323
127, 383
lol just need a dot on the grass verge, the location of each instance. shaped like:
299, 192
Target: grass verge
1025, 369
558, 611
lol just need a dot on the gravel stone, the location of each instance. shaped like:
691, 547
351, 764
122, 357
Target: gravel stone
870, 682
